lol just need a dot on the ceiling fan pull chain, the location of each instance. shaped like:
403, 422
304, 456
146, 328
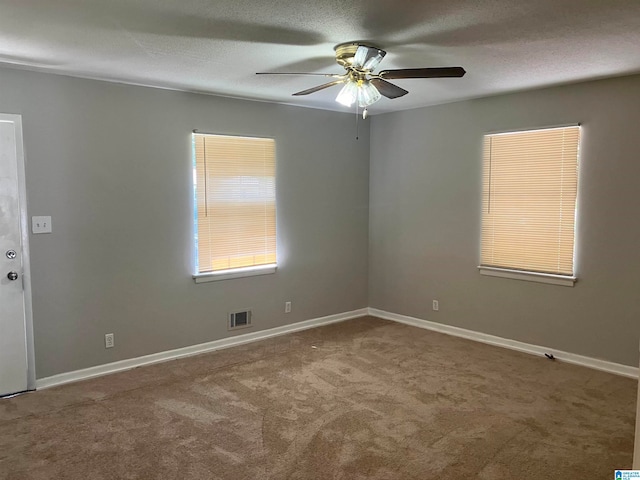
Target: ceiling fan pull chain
357, 120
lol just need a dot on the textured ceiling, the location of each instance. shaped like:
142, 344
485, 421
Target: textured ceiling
217, 46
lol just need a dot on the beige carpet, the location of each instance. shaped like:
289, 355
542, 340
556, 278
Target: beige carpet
364, 399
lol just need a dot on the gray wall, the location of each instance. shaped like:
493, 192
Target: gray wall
112, 165
425, 197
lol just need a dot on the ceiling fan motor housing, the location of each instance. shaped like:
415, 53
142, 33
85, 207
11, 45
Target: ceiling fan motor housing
346, 51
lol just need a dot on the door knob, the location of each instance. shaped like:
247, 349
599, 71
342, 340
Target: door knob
12, 275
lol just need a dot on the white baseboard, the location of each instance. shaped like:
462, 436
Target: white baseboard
605, 366
130, 363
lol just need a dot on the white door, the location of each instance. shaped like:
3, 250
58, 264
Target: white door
13, 343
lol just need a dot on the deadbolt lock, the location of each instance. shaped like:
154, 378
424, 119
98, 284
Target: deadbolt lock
11, 254
12, 275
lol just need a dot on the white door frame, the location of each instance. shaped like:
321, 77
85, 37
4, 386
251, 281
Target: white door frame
26, 258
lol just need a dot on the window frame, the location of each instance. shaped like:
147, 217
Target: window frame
237, 272
529, 275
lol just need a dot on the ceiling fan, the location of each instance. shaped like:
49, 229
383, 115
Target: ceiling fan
361, 85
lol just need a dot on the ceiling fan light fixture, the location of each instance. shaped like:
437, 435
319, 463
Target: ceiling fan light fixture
348, 94
368, 58
368, 94
373, 62
364, 92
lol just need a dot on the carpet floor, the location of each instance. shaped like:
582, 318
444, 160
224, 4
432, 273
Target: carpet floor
362, 399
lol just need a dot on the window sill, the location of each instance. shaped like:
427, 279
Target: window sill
234, 273
549, 278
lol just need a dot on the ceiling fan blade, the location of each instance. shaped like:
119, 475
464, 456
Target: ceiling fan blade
438, 72
318, 88
332, 75
388, 89
368, 58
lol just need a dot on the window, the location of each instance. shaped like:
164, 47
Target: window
530, 184
235, 206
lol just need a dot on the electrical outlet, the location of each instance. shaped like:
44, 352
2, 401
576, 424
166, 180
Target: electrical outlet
109, 340
436, 306
40, 224
287, 307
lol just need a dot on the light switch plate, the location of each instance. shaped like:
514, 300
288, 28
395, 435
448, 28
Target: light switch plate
41, 225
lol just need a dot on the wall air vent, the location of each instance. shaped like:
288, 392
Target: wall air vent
240, 319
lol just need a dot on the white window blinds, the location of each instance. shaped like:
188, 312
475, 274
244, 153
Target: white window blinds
530, 184
235, 201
